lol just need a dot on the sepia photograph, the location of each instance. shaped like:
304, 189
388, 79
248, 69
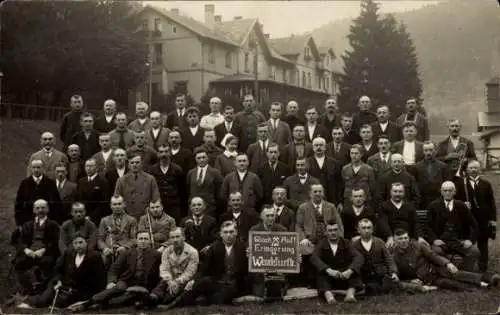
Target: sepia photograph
249, 157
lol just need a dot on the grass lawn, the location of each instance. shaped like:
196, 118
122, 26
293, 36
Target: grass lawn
18, 139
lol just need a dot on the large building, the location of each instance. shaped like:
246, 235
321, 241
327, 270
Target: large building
231, 58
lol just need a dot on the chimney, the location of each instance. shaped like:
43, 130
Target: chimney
266, 35
175, 11
210, 15
238, 17
493, 95
218, 19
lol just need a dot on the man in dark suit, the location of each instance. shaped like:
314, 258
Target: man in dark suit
313, 128
200, 228
37, 186
338, 265
71, 121
355, 211
119, 169
380, 161
205, 181
452, 229
177, 117
87, 138
210, 145
36, 248
383, 126
351, 134
359, 175
298, 148
298, 184
157, 135
430, 173
379, 272
292, 115
397, 213
364, 116
132, 276
272, 173
67, 192
148, 154
106, 122
331, 117
171, 183
368, 145
257, 151
410, 148
180, 156
279, 131
192, 134
338, 149
228, 126
455, 147
477, 194
398, 174
244, 217
328, 171
93, 190
75, 164
223, 274
249, 118
284, 215
412, 115
78, 274
104, 157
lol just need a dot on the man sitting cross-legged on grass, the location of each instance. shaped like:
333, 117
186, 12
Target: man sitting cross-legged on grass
79, 273
131, 277
179, 263
379, 272
420, 268
338, 265
36, 244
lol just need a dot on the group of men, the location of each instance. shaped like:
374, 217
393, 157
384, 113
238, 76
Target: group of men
158, 210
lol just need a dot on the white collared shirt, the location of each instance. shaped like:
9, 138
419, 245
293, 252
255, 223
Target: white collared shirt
279, 209
181, 112
142, 121
356, 168
241, 175
334, 248
155, 132
106, 155
164, 169
367, 245
367, 147
120, 171
409, 149
320, 161
48, 152
230, 154
59, 183
109, 118
383, 126
357, 211
454, 142
449, 205
236, 215
473, 181
229, 249
193, 130
41, 221
275, 123
203, 171
37, 179
311, 129
79, 260
263, 144
398, 205
175, 151
385, 157
91, 178
319, 207
228, 125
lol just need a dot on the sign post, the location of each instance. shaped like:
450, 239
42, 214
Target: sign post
273, 252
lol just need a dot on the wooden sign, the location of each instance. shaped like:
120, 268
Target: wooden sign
273, 252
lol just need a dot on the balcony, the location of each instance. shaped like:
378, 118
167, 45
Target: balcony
156, 33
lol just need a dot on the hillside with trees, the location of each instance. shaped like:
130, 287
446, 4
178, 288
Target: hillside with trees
455, 42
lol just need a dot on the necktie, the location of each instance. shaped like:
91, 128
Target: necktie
37, 180
117, 222
199, 180
47, 155
121, 143
59, 187
449, 205
318, 209
337, 147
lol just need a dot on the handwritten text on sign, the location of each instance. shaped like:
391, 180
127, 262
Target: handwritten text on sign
273, 252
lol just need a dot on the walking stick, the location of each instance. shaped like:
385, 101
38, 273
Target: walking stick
150, 227
54, 302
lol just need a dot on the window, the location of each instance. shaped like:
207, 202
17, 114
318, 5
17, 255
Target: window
285, 76
306, 51
211, 54
145, 25
272, 73
309, 80
327, 60
296, 78
247, 62
155, 89
327, 83
158, 53
174, 29
304, 83
157, 25
228, 60
180, 86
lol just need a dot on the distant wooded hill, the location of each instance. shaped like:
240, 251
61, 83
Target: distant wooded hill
455, 41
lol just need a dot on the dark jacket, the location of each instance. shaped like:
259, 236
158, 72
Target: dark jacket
123, 268
346, 257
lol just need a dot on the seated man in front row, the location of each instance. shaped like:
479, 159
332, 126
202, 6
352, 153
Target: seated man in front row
179, 263
223, 273
338, 265
158, 222
452, 228
79, 274
117, 232
37, 249
379, 272
78, 224
419, 267
132, 276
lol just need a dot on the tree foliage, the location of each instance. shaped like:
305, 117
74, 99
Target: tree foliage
382, 62
52, 49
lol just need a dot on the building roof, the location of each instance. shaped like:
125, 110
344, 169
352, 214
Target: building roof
488, 119
237, 30
194, 26
293, 45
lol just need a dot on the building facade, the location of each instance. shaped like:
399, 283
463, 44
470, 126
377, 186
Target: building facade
233, 58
